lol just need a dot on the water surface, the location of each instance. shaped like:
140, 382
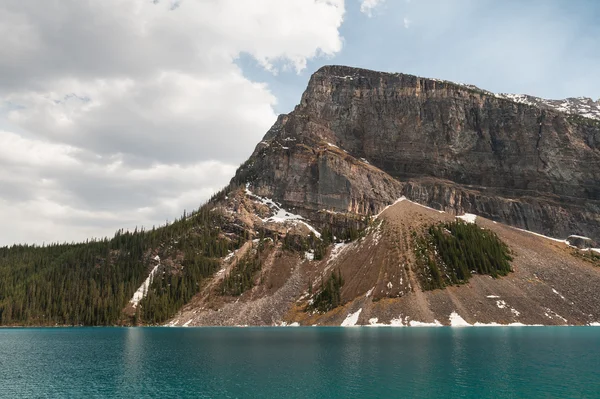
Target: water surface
551, 362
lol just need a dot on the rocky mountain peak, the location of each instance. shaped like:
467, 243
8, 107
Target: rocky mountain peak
359, 139
583, 106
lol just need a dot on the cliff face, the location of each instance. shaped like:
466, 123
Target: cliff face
359, 139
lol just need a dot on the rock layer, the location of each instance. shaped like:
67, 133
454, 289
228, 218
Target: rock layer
359, 139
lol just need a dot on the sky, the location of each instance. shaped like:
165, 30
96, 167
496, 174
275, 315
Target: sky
124, 113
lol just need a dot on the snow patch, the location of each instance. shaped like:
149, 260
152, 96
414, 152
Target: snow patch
493, 296
468, 217
397, 322
414, 323
583, 106
518, 98
142, 291
541, 235
501, 304
335, 146
351, 319
580, 237
368, 294
559, 294
229, 256
549, 313
187, 323
457, 321
281, 215
220, 272
376, 236
337, 250
426, 207
285, 324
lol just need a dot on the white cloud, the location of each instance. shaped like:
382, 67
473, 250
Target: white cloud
367, 6
121, 113
18, 150
406, 23
170, 116
60, 196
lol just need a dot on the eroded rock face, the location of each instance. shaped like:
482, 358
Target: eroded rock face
359, 139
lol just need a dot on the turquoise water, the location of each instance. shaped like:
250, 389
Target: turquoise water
557, 362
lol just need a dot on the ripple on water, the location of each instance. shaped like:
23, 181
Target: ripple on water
300, 362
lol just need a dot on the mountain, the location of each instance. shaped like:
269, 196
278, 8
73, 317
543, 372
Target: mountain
450, 146
381, 199
386, 283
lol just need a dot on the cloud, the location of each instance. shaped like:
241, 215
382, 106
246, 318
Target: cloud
406, 22
367, 6
168, 117
80, 194
121, 113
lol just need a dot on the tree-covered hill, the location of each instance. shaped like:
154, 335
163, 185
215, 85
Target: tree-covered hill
92, 283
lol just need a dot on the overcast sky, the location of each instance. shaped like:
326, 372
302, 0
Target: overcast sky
123, 113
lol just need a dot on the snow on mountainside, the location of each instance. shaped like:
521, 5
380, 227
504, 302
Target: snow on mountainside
582, 106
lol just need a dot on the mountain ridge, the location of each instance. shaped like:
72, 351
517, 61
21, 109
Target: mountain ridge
583, 106
383, 283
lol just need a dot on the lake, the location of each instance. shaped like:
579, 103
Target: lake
312, 362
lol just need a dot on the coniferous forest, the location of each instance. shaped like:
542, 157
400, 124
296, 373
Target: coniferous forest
329, 295
242, 276
449, 253
91, 283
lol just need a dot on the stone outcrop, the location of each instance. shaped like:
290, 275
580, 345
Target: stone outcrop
359, 139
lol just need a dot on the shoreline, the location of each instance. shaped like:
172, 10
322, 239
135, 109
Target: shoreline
325, 326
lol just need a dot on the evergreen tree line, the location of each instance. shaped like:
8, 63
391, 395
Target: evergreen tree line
243, 275
91, 283
450, 252
329, 295
167, 294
